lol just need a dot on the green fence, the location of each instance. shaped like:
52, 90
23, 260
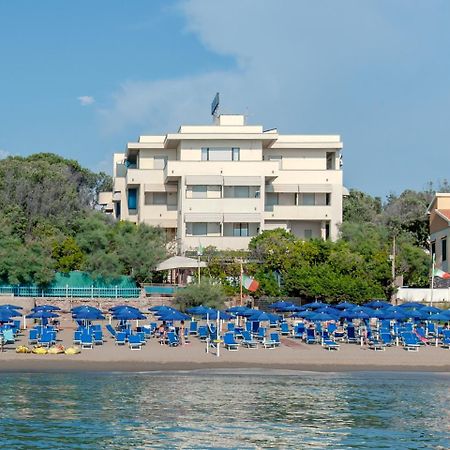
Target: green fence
70, 291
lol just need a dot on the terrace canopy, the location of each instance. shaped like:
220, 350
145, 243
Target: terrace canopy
180, 262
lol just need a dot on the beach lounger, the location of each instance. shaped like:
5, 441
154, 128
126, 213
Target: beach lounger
33, 336
299, 331
386, 339
193, 328
351, 335
231, 327
410, 342
261, 336
329, 344
120, 338
86, 341
445, 339
8, 336
273, 323
248, 341
111, 330
77, 337
229, 342
172, 339
310, 336
431, 329
284, 328
275, 338
98, 337
134, 342
376, 345
187, 339
203, 332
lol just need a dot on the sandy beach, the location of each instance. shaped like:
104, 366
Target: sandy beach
292, 354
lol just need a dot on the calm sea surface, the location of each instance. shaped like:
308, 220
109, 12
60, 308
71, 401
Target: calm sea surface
225, 410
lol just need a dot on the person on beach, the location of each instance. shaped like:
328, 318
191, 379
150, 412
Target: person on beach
181, 333
162, 332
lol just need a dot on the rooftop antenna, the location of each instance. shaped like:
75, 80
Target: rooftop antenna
215, 106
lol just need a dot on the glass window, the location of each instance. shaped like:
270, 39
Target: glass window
242, 192
433, 248
240, 229
274, 157
309, 199
328, 199
236, 153
199, 191
160, 198
331, 161
200, 229
205, 154
444, 249
308, 234
132, 198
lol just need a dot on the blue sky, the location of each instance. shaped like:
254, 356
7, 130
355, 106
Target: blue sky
83, 78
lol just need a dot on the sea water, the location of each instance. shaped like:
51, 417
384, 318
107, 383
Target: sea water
242, 410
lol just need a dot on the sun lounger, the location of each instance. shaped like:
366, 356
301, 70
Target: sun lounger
77, 337
47, 338
98, 337
86, 341
273, 323
33, 336
299, 331
111, 330
203, 332
431, 329
351, 335
134, 342
172, 339
229, 342
231, 326
8, 336
193, 328
386, 339
248, 341
445, 339
377, 345
410, 341
275, 338
261, 336
329, 344
120, 338
310, 336
284, 328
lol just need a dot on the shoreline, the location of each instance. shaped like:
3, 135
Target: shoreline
74, 366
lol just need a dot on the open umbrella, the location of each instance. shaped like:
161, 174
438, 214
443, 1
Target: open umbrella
8, 306
431, 309
198, 310
171, 316
88, 315
42, 315
378, 304
222, 315
345, 305
261, 317
5, 316
439, 317
323, 317
48, 308
282, 304
10, 312
78, 309
128, 314
314, 305
303, 314
411, 305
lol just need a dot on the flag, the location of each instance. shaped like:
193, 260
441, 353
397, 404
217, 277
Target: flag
441, 274
249, 283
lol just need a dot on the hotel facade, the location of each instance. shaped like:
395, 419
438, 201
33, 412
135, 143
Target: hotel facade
224, 183
439, 221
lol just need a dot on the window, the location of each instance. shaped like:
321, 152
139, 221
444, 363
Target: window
308, 234
309, 199
199, 191
160, 198
433, 248
331, 161
220, 154
131, 161
444, 249
274, 158
240, 229
242, 192
132, 198
200, 229
328, 199
327, 231
159, 162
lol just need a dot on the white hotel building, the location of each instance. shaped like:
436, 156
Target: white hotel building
221, 184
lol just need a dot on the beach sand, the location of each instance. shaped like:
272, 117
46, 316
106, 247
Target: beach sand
291, 355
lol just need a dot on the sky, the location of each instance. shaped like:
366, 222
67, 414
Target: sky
83, 78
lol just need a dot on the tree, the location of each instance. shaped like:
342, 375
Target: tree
207, 293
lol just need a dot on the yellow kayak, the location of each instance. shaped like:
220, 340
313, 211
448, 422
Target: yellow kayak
23, 349
72, 350
39, 351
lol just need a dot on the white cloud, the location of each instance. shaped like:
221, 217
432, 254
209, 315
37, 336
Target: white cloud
350, 67
86, 100
4, 154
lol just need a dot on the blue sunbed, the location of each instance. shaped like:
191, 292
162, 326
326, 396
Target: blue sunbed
229, 342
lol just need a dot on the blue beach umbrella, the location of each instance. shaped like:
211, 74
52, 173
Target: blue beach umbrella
42, 315
10, 312
314, 305
46, 308
77, 309
237, 309
378, 304
303, 314
329, 310
8, 306
431, 309
222, 315
261, 317
5, 316
439, 317
128, 314
198, 310
323, 317
171, 316
280, 305
411, 305
88, 315
345, 305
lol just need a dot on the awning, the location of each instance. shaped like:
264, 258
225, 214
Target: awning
287, 188
241, 218
204, 180
203, 217
242, 181
180, 262
160, 187
313, 188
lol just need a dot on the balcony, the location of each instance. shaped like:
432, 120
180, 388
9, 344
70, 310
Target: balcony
222, 205
299, 212
141, 176
220, 242
176, 169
